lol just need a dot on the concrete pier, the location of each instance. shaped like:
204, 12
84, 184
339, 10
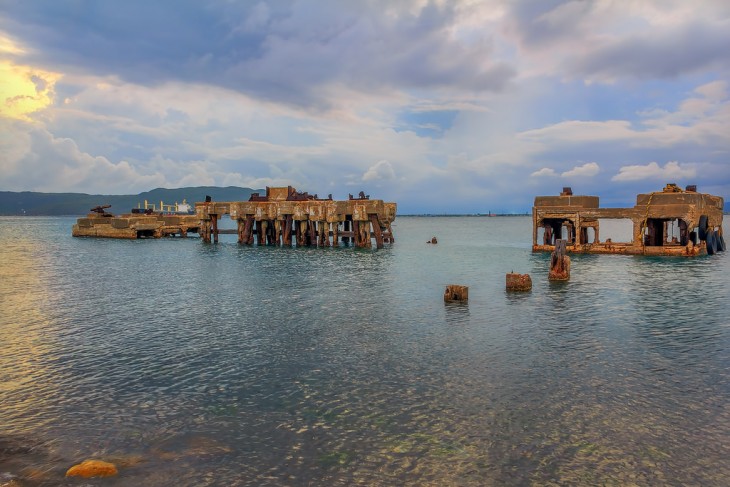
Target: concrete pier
283, 216
100, 223
287, 217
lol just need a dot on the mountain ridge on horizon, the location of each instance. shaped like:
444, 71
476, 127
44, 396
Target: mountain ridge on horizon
34, 203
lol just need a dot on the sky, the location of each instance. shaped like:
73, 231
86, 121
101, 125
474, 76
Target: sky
456, 106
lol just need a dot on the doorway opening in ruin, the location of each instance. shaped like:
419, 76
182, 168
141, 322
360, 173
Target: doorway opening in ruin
666, 231
616, 230
553, 229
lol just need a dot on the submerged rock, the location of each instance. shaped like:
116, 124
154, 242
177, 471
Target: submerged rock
92, 468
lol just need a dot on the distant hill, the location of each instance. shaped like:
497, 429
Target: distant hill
54, 204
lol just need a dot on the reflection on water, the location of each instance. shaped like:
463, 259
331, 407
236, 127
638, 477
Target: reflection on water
194, 364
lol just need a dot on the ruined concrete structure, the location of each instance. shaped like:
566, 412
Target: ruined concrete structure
284, 216
669, 222
281, 217
138, 224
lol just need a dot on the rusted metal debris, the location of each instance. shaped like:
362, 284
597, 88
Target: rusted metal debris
283, 216
696, 216
101, 210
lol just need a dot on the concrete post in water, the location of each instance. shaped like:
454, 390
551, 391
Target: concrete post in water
559, 263
456, 293
518, 282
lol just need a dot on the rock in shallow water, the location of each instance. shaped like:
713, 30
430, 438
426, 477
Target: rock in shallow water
92, 468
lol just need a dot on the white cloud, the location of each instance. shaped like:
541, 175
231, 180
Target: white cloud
544, 172
586, 170
671, 171
381, 170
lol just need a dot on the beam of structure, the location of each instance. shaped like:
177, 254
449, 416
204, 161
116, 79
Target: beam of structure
285, 217
696, 217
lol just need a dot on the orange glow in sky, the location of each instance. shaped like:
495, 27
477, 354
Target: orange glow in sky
24, 89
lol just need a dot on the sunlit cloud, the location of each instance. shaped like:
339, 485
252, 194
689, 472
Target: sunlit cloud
586, 170
544, 172
653, 171
379, 171
25, 90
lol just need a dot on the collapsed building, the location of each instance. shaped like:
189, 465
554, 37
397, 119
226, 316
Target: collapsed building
668, 222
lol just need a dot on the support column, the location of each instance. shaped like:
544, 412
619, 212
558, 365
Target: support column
365, 235
356, 233
214, 223
249, 230
259, 233
377, 230
240, 230
277, 232
205, 230
335, 234
287, 230
312, 233
264, 235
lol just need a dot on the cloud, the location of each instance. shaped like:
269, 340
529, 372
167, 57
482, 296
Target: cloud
544, 172
586, 170
297, 53
381, 170
671, 171
664, 54
441, 106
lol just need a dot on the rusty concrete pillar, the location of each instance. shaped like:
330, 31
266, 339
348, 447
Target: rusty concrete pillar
518, 282
456, 293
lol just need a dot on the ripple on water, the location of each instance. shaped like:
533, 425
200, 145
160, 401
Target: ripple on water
203, 364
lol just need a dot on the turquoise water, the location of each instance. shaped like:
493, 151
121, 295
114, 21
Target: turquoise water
193, 364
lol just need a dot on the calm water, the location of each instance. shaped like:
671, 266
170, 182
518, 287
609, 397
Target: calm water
194, 364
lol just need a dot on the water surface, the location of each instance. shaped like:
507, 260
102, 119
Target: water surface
195, 364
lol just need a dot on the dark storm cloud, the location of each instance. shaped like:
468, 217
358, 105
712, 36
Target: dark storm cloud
277, 50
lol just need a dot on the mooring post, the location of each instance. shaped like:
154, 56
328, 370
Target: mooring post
559, 262
456, 292
518, 282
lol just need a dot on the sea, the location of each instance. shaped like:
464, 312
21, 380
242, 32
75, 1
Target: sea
194, 364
